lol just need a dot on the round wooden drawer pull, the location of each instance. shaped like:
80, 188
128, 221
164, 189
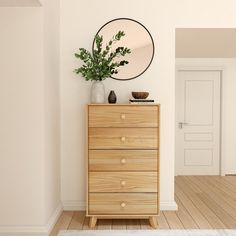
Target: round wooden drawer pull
122, 116
123, 161
123, 139
122, 183
122, 204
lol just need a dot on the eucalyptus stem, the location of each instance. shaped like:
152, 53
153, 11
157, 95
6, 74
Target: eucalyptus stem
101, 63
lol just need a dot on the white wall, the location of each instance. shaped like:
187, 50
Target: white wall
228, 148
51, 105
75, 33
20, 3
21, 119
79, 22
29, 120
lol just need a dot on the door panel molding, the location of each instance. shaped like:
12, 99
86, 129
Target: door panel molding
212, 102
201, 151
191, 134
201, 133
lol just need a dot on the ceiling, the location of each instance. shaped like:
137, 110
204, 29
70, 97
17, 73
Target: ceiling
206, 43
20, 3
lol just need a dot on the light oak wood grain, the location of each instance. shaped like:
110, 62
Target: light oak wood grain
123, 157
228, 221
162, 221
123, 182
230, 179
74, 220
153, 222
223, 187
226, 202
86, 225
123, 160
123, 138
189, 188
173, 220
184, 216
92, 221
62, 223
200, 219
123, 116
218, 204
123, 104
77, 220
126, 216
123, 204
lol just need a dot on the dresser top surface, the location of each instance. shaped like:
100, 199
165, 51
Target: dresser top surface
122, 104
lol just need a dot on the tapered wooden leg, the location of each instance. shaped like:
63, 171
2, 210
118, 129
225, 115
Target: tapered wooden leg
153, 222
92, 221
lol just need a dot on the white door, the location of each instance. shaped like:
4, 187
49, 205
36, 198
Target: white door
198, 122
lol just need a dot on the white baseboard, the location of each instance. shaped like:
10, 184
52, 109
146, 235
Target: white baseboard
73, 205
168, 206
33, 230
45, 230
54, 217
80, 205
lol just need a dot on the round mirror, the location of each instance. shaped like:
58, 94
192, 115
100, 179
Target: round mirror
137, 38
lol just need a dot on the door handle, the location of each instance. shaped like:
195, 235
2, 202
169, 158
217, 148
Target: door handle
181, 124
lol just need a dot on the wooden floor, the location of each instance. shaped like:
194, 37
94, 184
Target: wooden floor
205, 202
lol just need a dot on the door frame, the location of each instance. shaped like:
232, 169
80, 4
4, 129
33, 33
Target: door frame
202, 68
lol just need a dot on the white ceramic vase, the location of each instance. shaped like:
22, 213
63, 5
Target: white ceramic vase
97, 92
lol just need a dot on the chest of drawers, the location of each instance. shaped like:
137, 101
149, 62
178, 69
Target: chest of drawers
123, 162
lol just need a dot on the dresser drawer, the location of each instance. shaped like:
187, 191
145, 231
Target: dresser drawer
105, 182
123, 138
123, 160
123, 116
123, 204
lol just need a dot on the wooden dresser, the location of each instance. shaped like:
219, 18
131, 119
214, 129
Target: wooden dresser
123, 162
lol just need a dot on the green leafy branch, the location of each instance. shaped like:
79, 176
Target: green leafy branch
101, 64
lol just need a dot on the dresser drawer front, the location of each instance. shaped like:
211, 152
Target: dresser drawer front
123, 138
105, 182
123, 116
123, 204
123, 160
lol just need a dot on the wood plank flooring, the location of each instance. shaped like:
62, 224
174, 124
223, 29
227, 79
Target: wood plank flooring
205, 202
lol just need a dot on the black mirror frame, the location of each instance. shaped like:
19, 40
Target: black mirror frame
153, 52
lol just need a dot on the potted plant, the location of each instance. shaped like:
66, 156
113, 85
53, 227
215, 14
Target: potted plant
102, 63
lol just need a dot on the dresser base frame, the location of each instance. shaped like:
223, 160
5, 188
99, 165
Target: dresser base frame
152, 219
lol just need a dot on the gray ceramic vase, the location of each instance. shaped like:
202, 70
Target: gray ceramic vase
97, 92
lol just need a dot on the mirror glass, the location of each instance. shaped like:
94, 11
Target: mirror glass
137, 38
